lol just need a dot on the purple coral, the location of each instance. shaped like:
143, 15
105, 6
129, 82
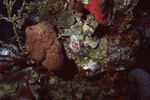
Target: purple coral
74, 44
142, 78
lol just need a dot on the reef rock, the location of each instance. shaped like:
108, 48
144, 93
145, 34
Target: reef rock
114, 52
44, 46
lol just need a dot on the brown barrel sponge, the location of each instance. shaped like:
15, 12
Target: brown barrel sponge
45, 48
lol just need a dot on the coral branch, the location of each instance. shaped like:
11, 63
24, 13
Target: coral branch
16, 20
28, 88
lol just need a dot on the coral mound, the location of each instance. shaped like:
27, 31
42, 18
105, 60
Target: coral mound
142, 78
44, 46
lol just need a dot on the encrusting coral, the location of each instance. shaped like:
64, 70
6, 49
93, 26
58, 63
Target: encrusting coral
44, 46
95, 6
